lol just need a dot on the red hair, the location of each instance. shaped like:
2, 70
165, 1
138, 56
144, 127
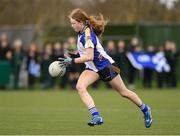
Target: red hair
97, 23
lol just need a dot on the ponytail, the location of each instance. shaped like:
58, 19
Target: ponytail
97, 23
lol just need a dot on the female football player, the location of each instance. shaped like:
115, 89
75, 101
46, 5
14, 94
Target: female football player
99, 65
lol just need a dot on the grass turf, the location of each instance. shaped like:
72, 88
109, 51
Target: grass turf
61, 112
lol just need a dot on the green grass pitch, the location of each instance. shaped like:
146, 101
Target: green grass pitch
62, 112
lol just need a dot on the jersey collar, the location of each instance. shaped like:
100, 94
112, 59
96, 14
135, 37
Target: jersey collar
83, 30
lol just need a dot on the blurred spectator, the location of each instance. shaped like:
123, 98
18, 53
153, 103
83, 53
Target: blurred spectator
5, 58
71, 44
23, 75
28, 65
147, 72
47, 58
111, 49
58, 51
33, 65
121, 58
17, 59
5, 49
134, 44
160, 75
171, 55
133, 47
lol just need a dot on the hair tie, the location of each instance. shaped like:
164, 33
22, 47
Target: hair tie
87, 22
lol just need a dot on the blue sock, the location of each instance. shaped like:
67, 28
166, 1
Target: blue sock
94, 111
143, 107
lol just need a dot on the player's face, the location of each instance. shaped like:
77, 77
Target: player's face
77, 26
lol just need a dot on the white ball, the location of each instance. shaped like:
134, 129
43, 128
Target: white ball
56, 70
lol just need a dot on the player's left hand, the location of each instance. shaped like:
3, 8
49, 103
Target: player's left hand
66, 61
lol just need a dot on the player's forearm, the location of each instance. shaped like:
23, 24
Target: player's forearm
83, 59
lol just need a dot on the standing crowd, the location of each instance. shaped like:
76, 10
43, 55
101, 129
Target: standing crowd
29, 66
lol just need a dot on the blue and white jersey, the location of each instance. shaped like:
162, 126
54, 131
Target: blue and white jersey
88, 39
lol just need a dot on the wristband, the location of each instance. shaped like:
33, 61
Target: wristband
73, 61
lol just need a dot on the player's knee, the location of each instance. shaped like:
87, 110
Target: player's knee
80, 88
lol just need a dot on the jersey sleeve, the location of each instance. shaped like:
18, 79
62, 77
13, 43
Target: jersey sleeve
88, 39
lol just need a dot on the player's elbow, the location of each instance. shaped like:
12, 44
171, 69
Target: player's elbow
90, 58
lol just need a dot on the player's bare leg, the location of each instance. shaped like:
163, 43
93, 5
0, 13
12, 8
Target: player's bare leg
119, 86
87, 78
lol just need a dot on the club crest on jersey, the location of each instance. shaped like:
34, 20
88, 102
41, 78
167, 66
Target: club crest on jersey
100, 57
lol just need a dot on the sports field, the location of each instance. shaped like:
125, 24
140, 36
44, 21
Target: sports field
61, 112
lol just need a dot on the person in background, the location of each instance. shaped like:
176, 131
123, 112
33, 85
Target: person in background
147, 72
111, 51
5, 48
160, 75
71, 41
171, 55
121, 59
58, 51
17, 60
5, 60
133, 47
33, 64
47, 58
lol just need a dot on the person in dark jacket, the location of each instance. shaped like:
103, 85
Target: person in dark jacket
133, 47
46, 60
17, 60
5, 49
121, 58
33, 65
148, 72
171, 55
